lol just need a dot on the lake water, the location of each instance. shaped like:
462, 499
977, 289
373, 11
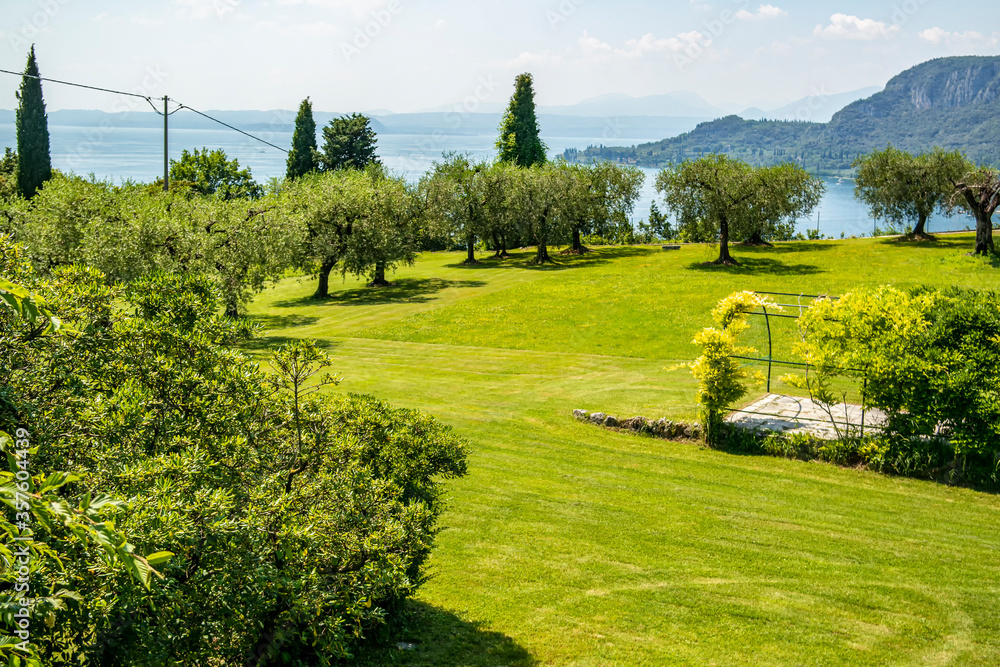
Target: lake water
137, 154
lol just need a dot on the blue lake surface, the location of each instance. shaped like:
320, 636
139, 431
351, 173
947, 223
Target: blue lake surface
127, 153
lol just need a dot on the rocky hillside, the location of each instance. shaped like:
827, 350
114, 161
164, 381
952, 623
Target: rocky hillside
949, 102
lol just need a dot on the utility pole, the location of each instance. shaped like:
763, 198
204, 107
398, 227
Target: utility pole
166, 154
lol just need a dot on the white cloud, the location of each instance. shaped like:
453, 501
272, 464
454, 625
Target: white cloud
847, 27
441, 24
937, 36
647, 45
763, 12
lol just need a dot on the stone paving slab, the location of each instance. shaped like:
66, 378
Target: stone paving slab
789, 414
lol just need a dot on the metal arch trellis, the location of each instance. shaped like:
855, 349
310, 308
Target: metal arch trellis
771, 361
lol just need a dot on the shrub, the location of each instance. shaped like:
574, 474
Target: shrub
931, 361
299, 519
721, 377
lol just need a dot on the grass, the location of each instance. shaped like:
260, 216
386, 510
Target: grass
571, 545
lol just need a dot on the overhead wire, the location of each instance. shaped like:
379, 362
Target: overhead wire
149, 100
236, 129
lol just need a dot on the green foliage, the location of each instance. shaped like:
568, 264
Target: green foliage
312, 515
930, 361
519, 141
8, 176
978, 192
34, 166
947, 102
719, 197
721, 376
211, 173
899, 187
52, 531
127, 232
303, 158
659, 224
349, 142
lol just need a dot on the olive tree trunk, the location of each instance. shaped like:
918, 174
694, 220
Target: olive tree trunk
323, 289
725, 259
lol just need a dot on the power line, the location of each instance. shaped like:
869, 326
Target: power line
184, 106
80, 85
149, 100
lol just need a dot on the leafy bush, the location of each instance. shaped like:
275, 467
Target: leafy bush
127, 233
299, 519
721, 376
932, 364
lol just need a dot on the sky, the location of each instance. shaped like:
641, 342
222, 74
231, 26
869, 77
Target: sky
414, 55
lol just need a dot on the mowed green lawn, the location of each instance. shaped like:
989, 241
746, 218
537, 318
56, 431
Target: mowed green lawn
570, 545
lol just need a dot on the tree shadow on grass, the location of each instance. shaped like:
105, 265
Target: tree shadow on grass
525, 259
434, 637
283, 321
783, 247
939, 242
758, 266
266, 344
403, 290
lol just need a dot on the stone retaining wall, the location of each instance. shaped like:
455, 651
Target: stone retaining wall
659, 428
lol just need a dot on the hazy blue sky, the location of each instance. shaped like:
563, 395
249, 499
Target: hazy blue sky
407, 55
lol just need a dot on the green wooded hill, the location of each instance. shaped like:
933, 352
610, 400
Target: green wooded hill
952, 102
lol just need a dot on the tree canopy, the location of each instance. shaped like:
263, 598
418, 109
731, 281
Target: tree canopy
311, 514
601, 194
725, 198
457, 199
349, 142
977, 190
212, 173
519, 142
900, 187
303, 158
34, 165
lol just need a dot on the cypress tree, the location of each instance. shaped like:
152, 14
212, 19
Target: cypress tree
302, 157
34, 166
519, 142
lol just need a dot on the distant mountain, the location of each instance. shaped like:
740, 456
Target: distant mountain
670, 104
447, 123
818, 108
951, 102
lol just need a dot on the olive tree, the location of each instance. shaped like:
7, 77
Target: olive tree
901, 187
456, 200
540, 199
600, 195
977, 190
386, 235
326, 207
721, 197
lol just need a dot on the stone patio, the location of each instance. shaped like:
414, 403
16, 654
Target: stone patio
788, 414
